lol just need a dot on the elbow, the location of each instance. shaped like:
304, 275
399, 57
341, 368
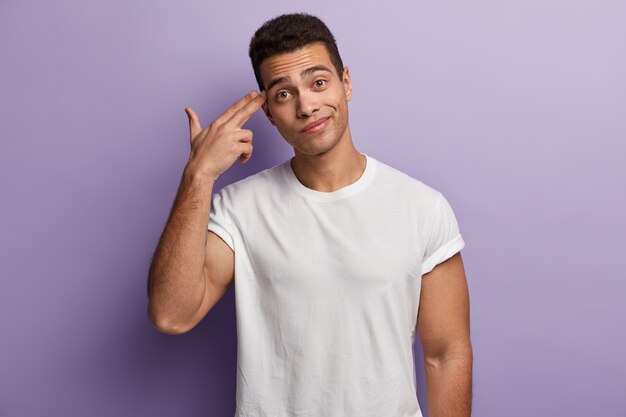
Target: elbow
461, 352
165, 324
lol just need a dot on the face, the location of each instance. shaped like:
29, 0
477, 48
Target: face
306, 100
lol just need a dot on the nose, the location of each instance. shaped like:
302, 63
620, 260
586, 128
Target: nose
307, 104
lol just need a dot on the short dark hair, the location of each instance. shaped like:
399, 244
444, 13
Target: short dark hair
288, 33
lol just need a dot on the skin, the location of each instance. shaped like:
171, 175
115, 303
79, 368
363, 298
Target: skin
193, 268
444, 329
325, 160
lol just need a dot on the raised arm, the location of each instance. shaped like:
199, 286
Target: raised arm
443, 326
191, 267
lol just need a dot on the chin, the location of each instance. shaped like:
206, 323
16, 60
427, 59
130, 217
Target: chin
315, 149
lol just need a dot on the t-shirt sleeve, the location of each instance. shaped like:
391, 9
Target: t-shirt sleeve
218, 222
444, 239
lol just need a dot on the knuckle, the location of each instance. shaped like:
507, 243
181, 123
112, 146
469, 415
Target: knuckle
219, 128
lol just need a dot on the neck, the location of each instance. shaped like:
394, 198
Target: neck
327, 172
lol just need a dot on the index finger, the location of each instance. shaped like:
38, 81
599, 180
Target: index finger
240, 117
230, 112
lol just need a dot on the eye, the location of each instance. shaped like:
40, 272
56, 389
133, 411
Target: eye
320, 83
282, 95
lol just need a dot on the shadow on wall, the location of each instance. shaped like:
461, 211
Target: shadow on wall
186, 374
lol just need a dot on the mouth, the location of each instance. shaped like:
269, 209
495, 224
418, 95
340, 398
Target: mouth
316, 126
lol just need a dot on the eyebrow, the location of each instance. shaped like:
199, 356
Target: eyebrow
304, 73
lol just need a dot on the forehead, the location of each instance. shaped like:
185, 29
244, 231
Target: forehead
290, 63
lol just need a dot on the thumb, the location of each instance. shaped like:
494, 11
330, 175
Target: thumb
194, 123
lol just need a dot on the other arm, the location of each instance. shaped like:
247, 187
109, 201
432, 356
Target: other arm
443, 325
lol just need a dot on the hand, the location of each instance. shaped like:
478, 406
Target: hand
217, 147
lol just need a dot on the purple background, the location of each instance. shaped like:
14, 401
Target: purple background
515, 110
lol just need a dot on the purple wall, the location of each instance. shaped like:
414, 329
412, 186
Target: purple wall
513, 109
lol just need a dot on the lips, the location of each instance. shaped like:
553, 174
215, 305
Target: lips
316, 126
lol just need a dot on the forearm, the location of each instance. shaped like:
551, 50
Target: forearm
175, 283
449, 385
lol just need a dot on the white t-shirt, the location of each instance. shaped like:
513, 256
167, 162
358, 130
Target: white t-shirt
327, 289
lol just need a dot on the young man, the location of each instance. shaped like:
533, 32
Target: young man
333, 253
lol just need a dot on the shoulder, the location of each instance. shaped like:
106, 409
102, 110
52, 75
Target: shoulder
253, 185
399, 182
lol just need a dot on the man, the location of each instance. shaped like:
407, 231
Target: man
333, 253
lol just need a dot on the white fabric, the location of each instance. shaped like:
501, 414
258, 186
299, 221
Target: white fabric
327, 288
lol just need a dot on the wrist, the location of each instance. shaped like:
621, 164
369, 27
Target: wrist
192, 174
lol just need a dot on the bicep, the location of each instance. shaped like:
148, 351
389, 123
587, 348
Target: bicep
443, 317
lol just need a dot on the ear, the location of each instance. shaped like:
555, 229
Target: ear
267, 112
347, 83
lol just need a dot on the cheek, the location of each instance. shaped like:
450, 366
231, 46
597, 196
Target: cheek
280, 114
